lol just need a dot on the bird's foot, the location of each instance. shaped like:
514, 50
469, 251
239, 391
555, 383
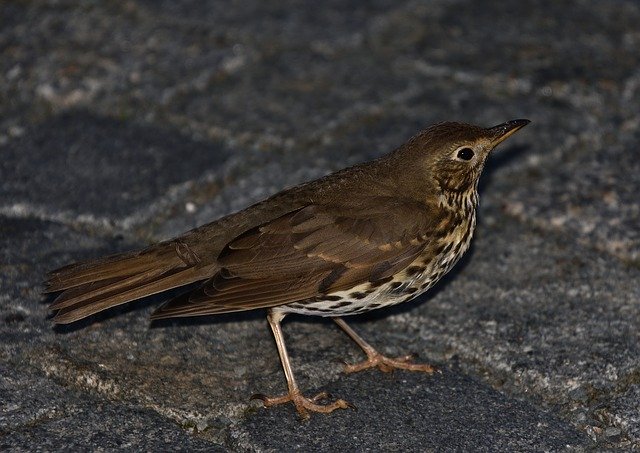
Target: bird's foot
388, 364
305, 405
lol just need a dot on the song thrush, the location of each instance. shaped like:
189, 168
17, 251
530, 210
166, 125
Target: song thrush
367, 237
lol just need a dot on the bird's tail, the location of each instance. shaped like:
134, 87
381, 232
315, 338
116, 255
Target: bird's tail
92, 286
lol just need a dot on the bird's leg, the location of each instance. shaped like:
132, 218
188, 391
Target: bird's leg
375, 359
303, 405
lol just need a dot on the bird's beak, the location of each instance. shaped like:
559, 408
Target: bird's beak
503, 131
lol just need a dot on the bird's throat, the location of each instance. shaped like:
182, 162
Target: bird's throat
463, 202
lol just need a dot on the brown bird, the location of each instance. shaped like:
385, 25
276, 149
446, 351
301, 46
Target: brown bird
369, 236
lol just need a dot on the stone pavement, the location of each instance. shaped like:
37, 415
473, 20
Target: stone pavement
126, 122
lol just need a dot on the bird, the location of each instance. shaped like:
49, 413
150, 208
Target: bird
370, 236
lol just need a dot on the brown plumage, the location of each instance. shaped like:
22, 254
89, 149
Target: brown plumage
338, 245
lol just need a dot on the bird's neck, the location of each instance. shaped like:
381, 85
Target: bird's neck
464, 202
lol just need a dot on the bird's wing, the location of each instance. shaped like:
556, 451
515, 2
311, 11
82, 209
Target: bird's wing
315, 250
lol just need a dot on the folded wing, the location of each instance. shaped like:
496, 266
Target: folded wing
310, 252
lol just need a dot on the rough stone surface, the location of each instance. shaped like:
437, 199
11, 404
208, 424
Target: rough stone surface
38, 414
95, 154
420, 418
125, 122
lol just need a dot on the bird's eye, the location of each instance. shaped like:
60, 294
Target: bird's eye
465, 154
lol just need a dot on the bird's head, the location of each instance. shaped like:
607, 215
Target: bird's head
453, 154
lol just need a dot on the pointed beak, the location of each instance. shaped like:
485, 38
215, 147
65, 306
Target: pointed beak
503, 131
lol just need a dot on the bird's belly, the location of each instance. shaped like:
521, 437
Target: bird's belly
359, 299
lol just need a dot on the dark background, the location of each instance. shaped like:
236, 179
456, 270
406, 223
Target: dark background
126, 122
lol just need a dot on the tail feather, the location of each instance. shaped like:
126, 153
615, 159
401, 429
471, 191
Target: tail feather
78, 294
114, 266
134, 291
93, 286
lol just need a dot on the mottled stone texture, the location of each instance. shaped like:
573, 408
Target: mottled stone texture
125, 122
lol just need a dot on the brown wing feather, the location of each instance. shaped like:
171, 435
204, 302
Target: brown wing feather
216, 296
309, 252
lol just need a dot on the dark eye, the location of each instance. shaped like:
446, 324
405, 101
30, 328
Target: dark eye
465, 154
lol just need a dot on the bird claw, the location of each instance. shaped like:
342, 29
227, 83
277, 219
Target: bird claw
320, 396
258, 396
303, 404
388, 364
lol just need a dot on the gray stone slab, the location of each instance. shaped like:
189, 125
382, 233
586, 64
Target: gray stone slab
276, 80
37, 414
98, 168
587, 186
407, 411
623, 410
